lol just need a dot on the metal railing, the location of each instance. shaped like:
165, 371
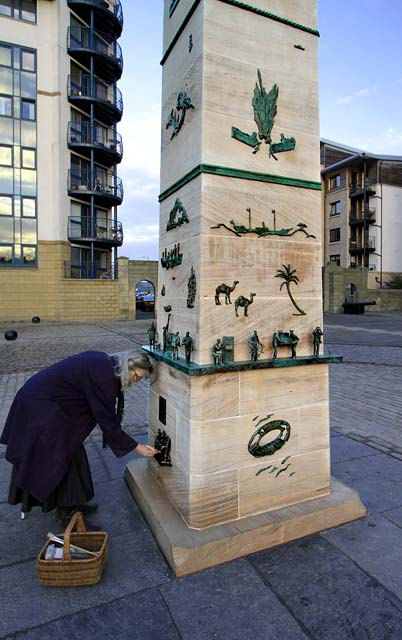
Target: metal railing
114, 6
98, 182
95, 135
362, 216
90, 270
99, 229
359, 185
359, 245
86, 38
84, 86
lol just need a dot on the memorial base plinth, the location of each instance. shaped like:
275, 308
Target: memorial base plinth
188, 550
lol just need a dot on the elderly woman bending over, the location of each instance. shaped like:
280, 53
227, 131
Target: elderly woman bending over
50, 418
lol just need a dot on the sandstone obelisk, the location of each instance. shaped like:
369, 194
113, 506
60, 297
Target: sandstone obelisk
240, 247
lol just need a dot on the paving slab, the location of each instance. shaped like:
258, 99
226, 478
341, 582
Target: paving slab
134, 564
375, 544
394, 515
332, 597
343, 448
143, 616
377, 478
230, 602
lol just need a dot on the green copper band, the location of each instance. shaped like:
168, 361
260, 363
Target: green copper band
238, 173
239, 5
193, 369
271, 16
179, 31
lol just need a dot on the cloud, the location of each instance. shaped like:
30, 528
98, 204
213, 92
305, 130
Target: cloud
393, 138
360, 93
363, 92
141, 140
345, 100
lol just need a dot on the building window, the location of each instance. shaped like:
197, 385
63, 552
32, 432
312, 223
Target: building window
19, 9
335, 235
335, 182
6, 156
28, 158
28, 111
335, 258
18, 220
6, 106
6, 254
335, 208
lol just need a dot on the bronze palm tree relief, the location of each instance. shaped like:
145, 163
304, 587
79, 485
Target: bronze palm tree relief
289, 277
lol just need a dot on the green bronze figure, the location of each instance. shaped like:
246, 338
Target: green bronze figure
152, 334
217, 351
188, 344
317, 335
175, 344
256, 347
163, 444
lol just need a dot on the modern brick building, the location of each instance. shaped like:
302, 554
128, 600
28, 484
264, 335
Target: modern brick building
59, 151
362, 203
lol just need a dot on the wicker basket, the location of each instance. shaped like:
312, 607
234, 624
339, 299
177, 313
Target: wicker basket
68, 572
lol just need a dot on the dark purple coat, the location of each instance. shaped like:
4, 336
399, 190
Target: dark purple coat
54, 412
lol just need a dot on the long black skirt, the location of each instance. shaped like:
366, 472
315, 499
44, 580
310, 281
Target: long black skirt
75, 488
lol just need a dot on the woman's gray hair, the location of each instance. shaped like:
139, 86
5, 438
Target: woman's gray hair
126, 361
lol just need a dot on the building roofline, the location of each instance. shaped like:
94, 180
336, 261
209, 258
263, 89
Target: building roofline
342, 147
357, 154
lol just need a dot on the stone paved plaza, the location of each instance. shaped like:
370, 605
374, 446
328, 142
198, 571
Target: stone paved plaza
342, 584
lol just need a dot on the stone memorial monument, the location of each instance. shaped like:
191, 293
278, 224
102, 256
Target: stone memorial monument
240, 249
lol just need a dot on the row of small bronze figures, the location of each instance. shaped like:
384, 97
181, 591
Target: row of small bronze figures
279, 339
171, 342
223, 349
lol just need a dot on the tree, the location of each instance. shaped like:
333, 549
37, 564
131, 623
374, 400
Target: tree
289, 276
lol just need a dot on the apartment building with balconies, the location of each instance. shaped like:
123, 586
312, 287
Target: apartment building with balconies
59, 152
362, 210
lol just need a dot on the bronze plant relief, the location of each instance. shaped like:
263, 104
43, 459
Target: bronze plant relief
265, 110
177, 216
176, 119
173, 258
191, 289
289, 277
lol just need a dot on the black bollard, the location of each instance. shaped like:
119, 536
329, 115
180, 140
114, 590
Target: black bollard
10, 334
36, 319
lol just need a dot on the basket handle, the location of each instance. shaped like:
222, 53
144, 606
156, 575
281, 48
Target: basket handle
77, 519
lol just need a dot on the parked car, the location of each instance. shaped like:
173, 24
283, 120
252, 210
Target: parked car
145, 300
148, 301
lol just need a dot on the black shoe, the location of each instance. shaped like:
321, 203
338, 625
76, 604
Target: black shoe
87, 509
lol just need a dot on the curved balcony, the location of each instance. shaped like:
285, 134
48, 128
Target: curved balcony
102, 231
83, 91
105, 187
361, 219
356, 189
87, 270
84, 44
108, 16
105, 141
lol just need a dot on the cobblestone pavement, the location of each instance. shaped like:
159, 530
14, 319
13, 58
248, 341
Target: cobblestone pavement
365, 390
342, 584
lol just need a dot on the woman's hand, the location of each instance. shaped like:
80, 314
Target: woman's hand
145, 450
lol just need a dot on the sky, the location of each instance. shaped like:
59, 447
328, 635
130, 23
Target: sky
360, 53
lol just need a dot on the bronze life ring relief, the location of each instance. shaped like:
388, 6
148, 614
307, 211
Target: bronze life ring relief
259, 450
